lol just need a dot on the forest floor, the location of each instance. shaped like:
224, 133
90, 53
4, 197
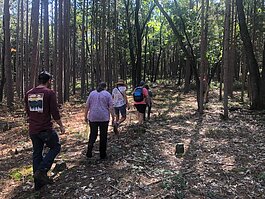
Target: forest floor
222, 159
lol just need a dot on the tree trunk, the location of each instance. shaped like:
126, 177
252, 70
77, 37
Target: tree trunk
7, 62
22, 87
203, 56
45, 4
60, 53
55, 49
103, 42
74, 51
131, 44
26, 76
255, 83
83, 53
226, 55
18, 52
35, 33
3, 78
66, 50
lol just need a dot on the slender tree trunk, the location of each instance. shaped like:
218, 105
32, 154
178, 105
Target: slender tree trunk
35, 33
255, 83
7, 62
22, 50
46, 34
60, 53
55, 49
226, 55
18, 52
139, 43
74, 50
26, 76
203, 56
2, 82
66, 50
83, 53
131, 44
116, 63
103, 43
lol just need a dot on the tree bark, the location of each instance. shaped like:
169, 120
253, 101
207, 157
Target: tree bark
35, 34
60, 53
45, 4
255, 82
226, 55
7, 62
83, 53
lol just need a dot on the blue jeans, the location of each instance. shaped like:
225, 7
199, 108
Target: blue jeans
51, 139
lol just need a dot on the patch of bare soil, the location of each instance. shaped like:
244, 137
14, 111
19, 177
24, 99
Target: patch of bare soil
222, 159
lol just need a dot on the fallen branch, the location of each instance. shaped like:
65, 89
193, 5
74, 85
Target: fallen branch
218, 163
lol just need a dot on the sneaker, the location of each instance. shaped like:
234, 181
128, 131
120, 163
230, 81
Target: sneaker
115, 127
42, 178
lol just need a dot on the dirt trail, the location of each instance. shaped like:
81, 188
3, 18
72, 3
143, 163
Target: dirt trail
222, 159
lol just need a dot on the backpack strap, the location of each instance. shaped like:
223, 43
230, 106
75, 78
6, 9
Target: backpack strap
120, 91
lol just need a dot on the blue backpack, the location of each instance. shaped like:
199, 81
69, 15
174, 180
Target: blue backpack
138, 95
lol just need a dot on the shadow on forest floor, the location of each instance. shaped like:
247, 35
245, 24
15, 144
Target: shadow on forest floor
222, 159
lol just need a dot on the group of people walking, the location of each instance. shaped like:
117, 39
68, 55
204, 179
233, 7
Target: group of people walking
41, 106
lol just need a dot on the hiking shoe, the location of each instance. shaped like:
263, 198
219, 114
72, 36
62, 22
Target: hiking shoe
115, 128
89, 154
42, 177
38, 185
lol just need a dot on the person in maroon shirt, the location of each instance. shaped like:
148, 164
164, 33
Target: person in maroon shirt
41, 106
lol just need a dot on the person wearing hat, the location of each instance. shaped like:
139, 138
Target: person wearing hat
41, 106
120, 102
99, 107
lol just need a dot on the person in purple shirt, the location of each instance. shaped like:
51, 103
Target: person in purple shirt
41, 105
99, 106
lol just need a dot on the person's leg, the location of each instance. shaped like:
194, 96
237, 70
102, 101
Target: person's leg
51, 139
122, 110
103, 139
38, 145
37, 157
92, 137
142, 108
117, 114
149, 111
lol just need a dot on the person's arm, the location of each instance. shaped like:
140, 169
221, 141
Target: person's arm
111, 109
59, 122
126, 99
86, 112
146, 96
55, 112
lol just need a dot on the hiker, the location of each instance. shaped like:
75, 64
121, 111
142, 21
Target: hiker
149, 101
40, 105
140, 94
99, 106
120, 103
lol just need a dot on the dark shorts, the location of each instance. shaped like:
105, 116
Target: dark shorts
121, 110
140, 108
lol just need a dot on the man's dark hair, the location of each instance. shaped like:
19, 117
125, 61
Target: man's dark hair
44, 77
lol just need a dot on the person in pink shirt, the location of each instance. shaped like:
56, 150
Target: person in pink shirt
99, 106
140, 94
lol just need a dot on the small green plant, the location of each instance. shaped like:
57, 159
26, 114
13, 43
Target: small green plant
20, 173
